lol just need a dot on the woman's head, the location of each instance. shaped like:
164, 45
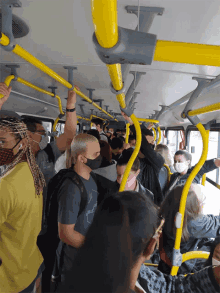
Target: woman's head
122, 164
106, 153
170, 207
115, 242
182, 161
15, 146
165, 153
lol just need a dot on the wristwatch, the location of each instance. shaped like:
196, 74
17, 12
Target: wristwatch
71, 110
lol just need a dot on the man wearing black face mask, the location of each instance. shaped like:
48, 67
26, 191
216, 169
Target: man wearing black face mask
151, 162
73, 225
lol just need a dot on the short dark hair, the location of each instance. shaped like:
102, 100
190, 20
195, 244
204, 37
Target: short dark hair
94, 132
125, 157
98, 121
117, 142
31, 123
186, 155
131, 137
146, 131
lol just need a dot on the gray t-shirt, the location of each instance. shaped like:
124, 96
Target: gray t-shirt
69, 204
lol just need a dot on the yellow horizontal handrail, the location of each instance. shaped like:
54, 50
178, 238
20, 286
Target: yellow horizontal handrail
27, 83
205, 139
195, 254
94, 116
189, 53
148, 120
205, 109
159, 131
83, 118
21, 52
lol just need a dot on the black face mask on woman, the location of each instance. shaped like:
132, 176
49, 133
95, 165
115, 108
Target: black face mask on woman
95, 163
7, 155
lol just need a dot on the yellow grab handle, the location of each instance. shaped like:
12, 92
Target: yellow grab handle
186, 188
135, 152
7, 82
159, 138
127, 132
155, 134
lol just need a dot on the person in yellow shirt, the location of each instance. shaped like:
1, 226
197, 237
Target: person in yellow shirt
21, 186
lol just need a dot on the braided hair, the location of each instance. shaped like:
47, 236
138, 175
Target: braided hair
19, 129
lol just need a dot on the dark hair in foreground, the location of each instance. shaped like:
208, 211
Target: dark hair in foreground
98, 121
170, 207
31, 123
120, 232
94, 132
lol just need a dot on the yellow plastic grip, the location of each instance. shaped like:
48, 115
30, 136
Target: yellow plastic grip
206, 109
159, 131
127, 132
186, 188
155, 134
135, 152
7, 82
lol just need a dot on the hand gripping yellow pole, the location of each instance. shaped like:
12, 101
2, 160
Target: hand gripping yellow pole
127, 132
104, 15
186, 188
7, 82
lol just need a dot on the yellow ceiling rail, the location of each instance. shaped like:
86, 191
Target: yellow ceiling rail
148, 120
203, 110
155, 133
189, 53
21, 52
83, 118
7, 81
205, 139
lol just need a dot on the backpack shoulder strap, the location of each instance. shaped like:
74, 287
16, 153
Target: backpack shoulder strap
72, 175
49, 151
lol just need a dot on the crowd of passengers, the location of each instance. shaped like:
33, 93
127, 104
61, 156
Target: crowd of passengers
65, 227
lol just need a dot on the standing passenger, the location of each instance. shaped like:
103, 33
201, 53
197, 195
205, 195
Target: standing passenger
98, 125
72, 229
21, 204
151, 162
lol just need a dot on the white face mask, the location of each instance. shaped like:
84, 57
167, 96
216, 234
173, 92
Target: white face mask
93, 127
215, 262
180, 167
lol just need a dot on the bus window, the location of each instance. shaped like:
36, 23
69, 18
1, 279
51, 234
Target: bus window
173, 140
212, 193
47, 126
60, 128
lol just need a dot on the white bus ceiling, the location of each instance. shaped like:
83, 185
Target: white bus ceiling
61, 34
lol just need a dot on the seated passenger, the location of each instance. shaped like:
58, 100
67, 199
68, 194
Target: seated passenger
132, 183
196, 228
21, 205
117, 243
151, 162
98, 125
182, 165
108, 166
117, 146
163, 175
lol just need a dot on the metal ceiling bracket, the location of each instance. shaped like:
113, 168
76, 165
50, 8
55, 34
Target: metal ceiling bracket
53, 90
146, 15
194, 120
164, 108
202, 83
128, 111
117, 92
92, 111
134, 98
208, 125
91, 93
134, 83
99, 101
6, 11
70, 74
106, 106
13, 68
81, 108
133, 47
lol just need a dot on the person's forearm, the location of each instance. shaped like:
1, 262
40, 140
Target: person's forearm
75, 239
71, 123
